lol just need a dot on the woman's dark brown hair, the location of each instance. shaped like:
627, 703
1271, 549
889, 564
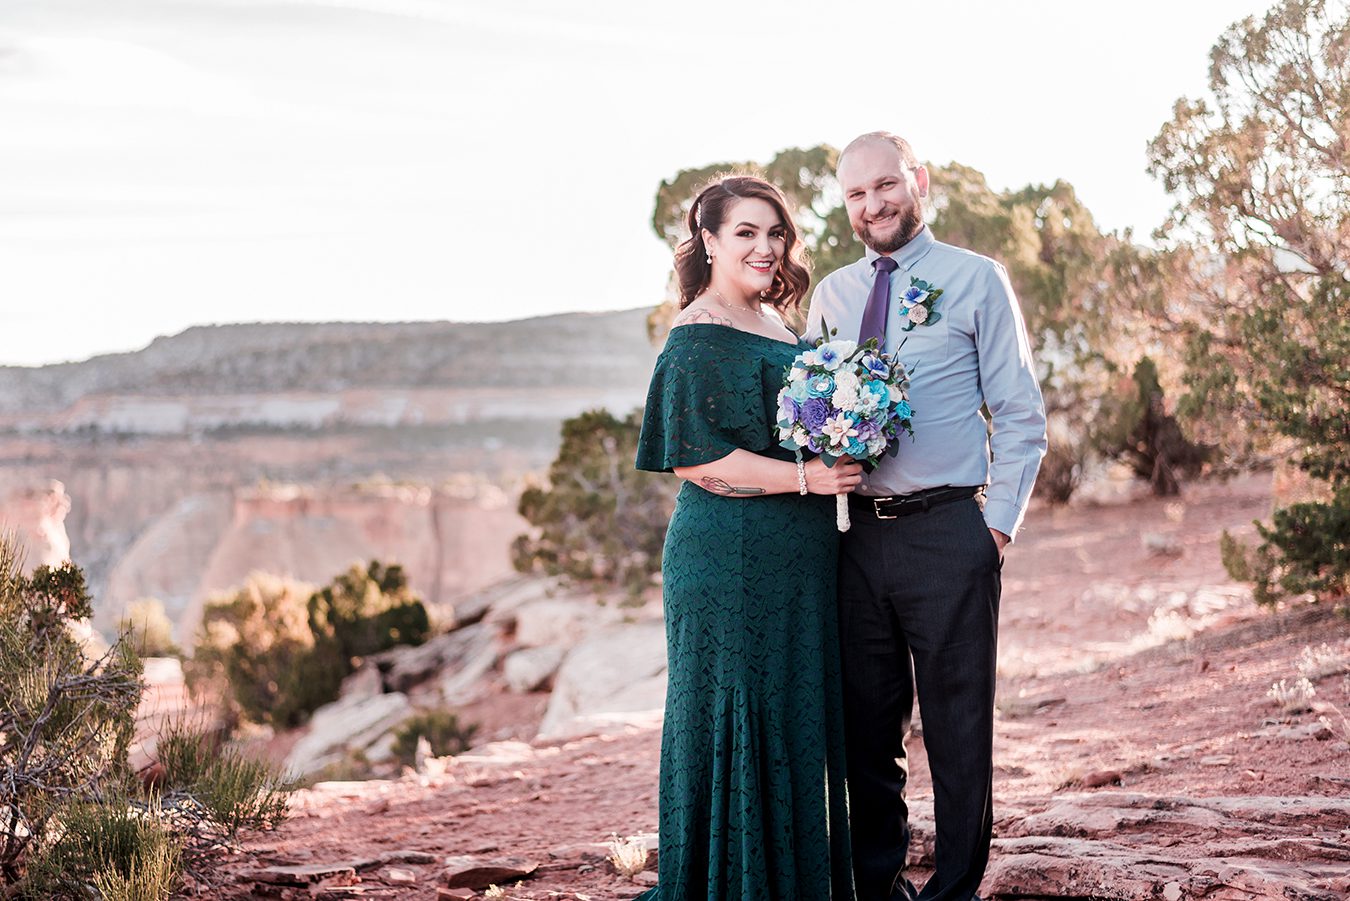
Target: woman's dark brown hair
709, 211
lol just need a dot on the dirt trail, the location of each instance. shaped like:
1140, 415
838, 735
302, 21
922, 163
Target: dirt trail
1137, 752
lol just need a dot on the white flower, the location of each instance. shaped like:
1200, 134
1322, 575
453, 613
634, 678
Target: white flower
838, 429
845, 346
918, 314
896, 395
847, 379
876, 446
800, 436
798, 374
844, 397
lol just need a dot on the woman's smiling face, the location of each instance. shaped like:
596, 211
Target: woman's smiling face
748, 248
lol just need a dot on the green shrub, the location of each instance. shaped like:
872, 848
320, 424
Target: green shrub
599, 519
122, 847
1305, 550
369, 610
65, 721
1141, 433
216, 792
278, 650
442, 730
76, 823
149, 629
255, 644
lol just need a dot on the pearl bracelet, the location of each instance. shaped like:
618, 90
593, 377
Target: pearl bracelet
801, 477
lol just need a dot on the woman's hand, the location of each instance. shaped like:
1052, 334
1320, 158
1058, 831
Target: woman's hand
841, 478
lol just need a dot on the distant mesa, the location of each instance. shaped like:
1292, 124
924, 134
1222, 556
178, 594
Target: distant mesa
300, 449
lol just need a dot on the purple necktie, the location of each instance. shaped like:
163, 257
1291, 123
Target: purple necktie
878, 309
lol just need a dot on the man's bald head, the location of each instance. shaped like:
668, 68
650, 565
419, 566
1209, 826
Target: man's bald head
907, 157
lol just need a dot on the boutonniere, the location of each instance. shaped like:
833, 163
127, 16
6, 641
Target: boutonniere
918, 302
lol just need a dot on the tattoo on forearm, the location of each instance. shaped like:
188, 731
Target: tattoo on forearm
720, 486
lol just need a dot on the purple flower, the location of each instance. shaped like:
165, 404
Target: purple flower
913, 294
788, 409
814, 413
868, 428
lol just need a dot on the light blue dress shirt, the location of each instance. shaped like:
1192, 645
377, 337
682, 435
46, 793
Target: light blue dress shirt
976, 354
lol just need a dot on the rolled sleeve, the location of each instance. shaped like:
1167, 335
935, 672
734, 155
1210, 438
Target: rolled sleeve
1013, 397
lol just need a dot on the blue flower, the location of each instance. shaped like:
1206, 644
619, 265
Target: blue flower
798, 391
856, 449
820, 386
902, 410
876, 366
828, 356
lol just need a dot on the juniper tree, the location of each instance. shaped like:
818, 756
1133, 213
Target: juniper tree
1257, 254
598, 519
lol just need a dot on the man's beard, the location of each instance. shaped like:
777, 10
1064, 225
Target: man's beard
910, 222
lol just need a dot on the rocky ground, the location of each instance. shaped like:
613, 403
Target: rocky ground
1139, 752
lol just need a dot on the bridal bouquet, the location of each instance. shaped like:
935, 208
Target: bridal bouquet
844, 399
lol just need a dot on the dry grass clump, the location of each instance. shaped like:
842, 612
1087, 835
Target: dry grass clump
1292, 698
628, 856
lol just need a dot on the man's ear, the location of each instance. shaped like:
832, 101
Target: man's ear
921, 179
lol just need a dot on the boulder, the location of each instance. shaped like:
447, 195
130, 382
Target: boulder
613, 679
473, 649
498, 603
531, 669
347, 724
564, 621
464, 678
470, 872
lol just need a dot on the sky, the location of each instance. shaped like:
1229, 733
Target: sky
169, 163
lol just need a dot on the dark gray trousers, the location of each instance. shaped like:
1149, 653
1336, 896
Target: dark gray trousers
918, 608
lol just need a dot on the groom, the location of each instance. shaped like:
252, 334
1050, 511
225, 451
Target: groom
919, 579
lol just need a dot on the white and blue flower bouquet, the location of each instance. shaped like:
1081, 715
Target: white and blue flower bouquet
844, 399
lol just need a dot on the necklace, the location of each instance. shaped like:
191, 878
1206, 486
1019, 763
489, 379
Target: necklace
723, 301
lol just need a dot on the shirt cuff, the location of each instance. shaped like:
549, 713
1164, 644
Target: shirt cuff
1004, 516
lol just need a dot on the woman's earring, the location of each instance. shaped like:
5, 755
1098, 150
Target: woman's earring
709, 258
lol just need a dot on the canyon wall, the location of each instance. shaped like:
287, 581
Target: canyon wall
301, 449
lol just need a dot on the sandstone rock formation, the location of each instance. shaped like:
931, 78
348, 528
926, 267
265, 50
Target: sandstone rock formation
161, 450
344, 726
614, 677
1129, 845
449, 544
37, 517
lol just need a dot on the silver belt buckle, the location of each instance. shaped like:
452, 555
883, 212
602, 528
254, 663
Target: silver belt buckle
876, 507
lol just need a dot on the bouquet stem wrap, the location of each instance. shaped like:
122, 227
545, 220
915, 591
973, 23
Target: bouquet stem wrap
841, 512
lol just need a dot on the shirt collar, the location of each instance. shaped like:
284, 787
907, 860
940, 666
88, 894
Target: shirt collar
911, 253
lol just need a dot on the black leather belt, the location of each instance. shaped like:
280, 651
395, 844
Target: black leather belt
908, 504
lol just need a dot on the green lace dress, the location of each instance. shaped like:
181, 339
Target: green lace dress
752, 798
